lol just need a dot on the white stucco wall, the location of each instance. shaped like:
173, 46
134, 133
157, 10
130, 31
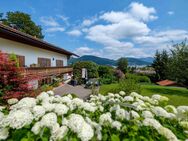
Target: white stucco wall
31, 53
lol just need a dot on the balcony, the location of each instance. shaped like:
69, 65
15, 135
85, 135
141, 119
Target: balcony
48, 71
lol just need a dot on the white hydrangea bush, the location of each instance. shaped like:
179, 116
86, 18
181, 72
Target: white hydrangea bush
110, 117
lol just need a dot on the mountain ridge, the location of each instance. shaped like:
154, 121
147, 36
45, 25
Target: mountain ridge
105, 61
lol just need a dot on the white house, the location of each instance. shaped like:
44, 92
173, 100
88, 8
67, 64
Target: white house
36, 55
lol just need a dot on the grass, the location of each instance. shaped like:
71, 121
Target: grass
104, 89
177, 95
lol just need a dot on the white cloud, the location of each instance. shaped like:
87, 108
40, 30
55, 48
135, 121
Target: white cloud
122, 24
142, 46
111, 52
162, 37
64, 18
74, 32
115, 53
121, 33
120, 30
142, 12
126, 33
55, 29
121, 27
89, 22
136, 11
87, 51
170, 12
52, 25
115, 17
49, 21
160, 40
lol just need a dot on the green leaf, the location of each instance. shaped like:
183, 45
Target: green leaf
105, 137
27, 126
44, 139
74, 139
59, 119
125, 139
24, 139
17, 135
115, 138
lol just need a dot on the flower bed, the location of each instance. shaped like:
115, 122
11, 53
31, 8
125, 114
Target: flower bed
113, 117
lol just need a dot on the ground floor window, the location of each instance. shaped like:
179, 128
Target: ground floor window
21, 60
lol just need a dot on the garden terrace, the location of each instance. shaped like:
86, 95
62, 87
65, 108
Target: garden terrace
48, 71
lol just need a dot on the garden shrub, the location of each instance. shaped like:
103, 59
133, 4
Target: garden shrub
13, 82
56, 82
138, 78
129, 85
114, 117
46, 87
14, 58
105, 70
106, 74
119, 74
73, 95
107, 79
91, 69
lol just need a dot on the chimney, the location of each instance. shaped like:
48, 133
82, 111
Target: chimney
14, 26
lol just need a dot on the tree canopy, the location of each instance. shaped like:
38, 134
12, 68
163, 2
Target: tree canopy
92, 69
160, 64
22, 22
173, 65
122, 64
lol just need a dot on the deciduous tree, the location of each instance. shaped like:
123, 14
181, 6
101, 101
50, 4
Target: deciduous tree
160, 64
91, 70
122, 64
173, 65
22, 22
13, 82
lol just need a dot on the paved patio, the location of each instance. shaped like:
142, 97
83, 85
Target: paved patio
80, 91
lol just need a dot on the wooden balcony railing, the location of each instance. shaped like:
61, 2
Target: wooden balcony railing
48, 71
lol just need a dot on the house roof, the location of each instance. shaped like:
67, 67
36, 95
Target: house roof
166, 83
18, 36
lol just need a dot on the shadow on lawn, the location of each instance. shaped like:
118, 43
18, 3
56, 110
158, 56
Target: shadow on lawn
168, 90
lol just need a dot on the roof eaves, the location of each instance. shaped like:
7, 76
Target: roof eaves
30, 38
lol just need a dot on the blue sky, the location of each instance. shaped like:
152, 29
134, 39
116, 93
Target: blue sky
107, 28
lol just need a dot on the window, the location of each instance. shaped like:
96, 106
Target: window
21, 60
44, 62
59, 63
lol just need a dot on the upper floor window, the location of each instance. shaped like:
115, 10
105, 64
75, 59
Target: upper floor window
59, 63
44, 62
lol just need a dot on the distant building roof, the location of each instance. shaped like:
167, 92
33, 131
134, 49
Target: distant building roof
145, 71
18, 36
166, 83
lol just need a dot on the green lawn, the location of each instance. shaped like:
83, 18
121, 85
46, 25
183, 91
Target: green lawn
177, 96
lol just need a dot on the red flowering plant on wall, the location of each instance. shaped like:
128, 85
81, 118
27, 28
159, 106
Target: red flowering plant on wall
13, 81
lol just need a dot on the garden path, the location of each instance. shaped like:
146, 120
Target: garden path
79, 90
